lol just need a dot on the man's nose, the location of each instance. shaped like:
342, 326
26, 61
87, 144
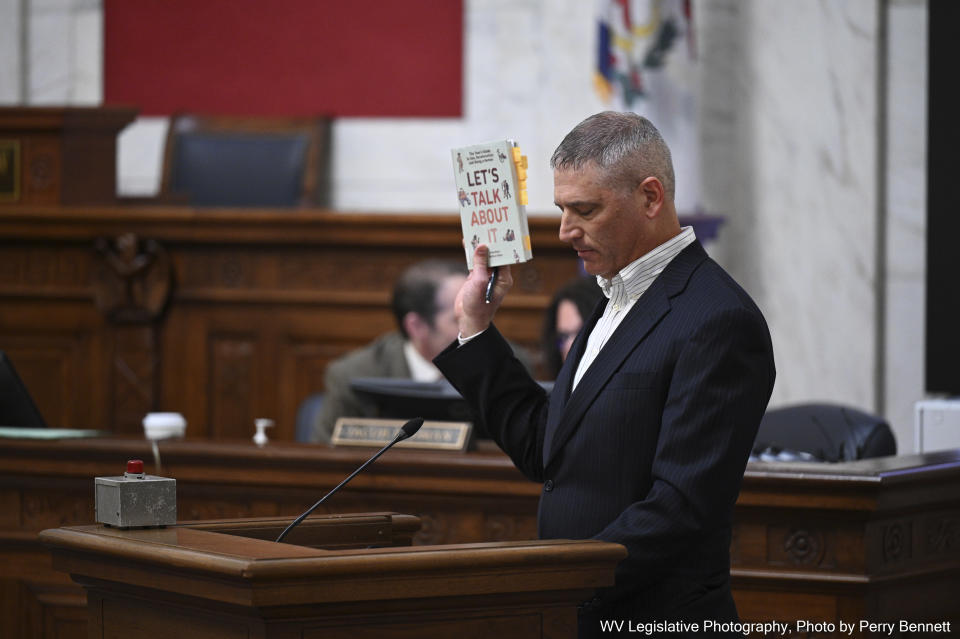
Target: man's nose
568, 229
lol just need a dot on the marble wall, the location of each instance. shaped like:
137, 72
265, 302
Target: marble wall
813, 142
790, 158
810, 142
11, 58
905, 193
63, 42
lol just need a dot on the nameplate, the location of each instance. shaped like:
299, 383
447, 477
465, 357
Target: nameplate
376, 432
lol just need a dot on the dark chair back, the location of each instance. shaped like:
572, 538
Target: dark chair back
247, 162
307, 415
827, 432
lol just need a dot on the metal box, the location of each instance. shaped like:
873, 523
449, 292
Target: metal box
136, 500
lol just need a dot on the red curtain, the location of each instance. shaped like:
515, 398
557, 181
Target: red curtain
285, 57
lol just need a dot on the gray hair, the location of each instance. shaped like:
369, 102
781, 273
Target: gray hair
625, 145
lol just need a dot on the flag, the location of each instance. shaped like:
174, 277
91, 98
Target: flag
635, 36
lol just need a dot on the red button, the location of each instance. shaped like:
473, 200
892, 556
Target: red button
135, 466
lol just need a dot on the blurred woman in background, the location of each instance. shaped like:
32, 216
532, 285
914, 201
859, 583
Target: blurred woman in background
570, 308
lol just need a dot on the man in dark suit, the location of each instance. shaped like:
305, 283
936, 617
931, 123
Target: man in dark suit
644, 439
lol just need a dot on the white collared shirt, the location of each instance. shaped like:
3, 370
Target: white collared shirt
625, 289
421, 370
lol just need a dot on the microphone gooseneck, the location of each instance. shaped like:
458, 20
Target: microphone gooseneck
406, 431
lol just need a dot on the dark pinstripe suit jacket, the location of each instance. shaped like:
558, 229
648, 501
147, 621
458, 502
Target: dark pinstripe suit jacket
649, 450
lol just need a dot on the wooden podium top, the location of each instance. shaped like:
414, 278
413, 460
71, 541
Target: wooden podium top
169, 558
192, 579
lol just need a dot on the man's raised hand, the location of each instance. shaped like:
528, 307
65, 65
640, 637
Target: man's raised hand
473, 312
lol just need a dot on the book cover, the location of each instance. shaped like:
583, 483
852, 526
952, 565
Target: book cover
491, 182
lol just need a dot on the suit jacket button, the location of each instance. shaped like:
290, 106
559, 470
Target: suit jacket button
548, 485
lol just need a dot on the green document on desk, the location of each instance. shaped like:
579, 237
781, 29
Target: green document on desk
17, 432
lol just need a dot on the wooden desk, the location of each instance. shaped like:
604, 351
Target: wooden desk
876, 539
459, 498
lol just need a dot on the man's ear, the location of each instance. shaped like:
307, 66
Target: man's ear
414, 326
651, 195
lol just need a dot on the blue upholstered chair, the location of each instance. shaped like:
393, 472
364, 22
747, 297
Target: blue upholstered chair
307, 414
247, 162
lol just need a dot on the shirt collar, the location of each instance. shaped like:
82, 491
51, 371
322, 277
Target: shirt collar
421, 370
636, 277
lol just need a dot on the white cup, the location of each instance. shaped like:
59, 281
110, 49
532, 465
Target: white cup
164, 425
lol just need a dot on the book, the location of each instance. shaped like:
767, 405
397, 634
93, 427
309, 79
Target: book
491, 182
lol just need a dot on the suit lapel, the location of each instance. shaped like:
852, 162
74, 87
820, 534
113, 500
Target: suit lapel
644, 315
569, 369
567, 410
561, 387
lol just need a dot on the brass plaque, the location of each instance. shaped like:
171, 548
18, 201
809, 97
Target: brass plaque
9, 170
376, 432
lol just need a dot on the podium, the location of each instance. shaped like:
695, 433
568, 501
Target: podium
60, 155
350, 576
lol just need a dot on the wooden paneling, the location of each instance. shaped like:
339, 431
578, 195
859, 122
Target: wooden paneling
222, 315
55, 361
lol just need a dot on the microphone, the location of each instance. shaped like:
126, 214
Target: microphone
406, 431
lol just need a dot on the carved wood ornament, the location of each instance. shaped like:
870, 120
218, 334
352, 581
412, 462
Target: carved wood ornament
132, 281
